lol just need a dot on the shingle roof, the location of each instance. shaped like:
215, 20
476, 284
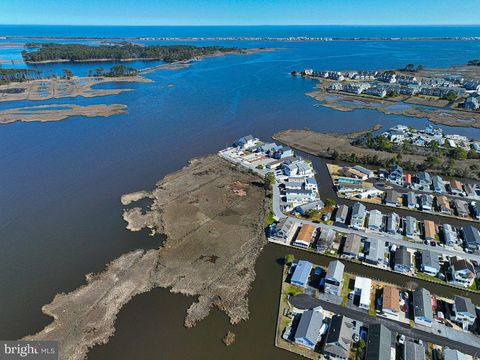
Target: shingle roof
465, 305
379, 343
309, 325
335, 270
422, 303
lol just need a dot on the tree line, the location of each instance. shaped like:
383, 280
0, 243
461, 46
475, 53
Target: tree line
44, 52
18, 75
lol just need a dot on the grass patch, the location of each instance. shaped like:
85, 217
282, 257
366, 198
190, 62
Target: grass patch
427, 277
345, 289
294, 290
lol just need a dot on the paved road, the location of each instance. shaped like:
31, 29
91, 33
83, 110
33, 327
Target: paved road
401, 328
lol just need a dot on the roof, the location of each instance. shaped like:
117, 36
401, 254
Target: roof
339, 336
461, 264
286, 225
455, 184
375, 218
306, 232
471, 234
358, 210
430, 259
422, 303
375, 250
363, 170
302, 272
352, 244
443, 202
391, 298
335, 270
365, 285
392, 221
410, 225
464, 305
414, 351
379, 342
402, 256
309, 325
451, 354
392, 196
342, 211
430, 229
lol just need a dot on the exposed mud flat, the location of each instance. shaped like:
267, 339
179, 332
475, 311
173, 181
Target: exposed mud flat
213, 214
45, 113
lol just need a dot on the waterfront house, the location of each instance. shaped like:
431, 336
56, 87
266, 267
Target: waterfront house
294, 185
393, 221
325, 240
443, 205
308, 329
374, 250
339, 338
314, 205
334, 278
402, 261
342, 214
410, 227
461, 207
297, 197
305, 236
475, 209
464, 310
351, 247
363, 289
356, 88
245, 142
429, 230
359, 212
472, 102
449, 236
472, 85
366, 75
430, 264
283, 153
396, 174
438, 185
391, 301
368, 172
301, 273
379, 343
422, 307
426, 202
462, 272
387, 76
285, 230
424, 180
266, 148
311, 184
335, 86
452, 354
411, 200
407, 80
456, 188
471, 237
376, 91
375, 220
392, 198
413, 351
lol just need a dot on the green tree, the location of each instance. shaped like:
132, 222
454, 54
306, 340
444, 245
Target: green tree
269, 179
68, 73
329, 202
289, 259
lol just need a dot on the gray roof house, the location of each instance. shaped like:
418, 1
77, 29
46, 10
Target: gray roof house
379, 343
422, 307
359, 212
375, 220
339, 337
392, 198
403, 261
471, 236
430, 263
375, 250
464, 311
342, 214
351, 247
410, 227
438, 185
308, 330
411, 200
413, 351
334, 277
462, 270
451, 354
424, 179
396, 174
325, 240
461, 207
426, 202
285, 229
393, 221
449, 236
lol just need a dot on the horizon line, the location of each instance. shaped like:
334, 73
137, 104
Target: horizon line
234, 25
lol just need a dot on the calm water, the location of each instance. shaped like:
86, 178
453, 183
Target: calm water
60, 215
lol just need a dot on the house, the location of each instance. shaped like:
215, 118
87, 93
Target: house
451, 354
461, 207
374, 250
456, 188
407, 180
359, 212
438, 185
314, 205
410, 227
424, 180
342, 214
471, 237
245, 142
308, 329
462, 272
311, 184
266, 148
376, 91
363, 170
294, 185
471, 191
430, 230
325, 240
396, 174
387, 76
339, 338
443, 205
472, 85
355, 174
334, 278
301, 273
297, 197
430, 264
472, 102
413, 351
464, 309
449, 236
422, 307
375, 220
393, 221
402, 261
305, 236
363, 288
285, 230
411, 200
356, 88
379, 343
283, 153
392, 198
475, 208
426, 202
335, 87
351, 247
391, 301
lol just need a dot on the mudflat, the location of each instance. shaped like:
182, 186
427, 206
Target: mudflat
212, 213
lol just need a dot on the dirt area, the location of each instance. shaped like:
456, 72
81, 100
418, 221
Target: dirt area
214, 236
44, 113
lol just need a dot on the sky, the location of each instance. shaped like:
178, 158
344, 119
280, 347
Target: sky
240, 12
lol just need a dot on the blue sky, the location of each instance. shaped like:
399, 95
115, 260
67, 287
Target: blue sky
240, 12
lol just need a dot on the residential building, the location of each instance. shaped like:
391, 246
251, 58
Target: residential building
471, 191
472, 102
411, 200
464, 310
301, 273
443, 205
461, 207
334, 278
368, 172
471, 237
424, 179
305, 236
286, 229
342, 214
297, 197
363, 289
339, 338
375, 220
422, 307
413, 351
391, 301
359, 212
475, 208
472, 85
308, 329
379, 343
374, 250
325, 240
376, 91
451, 354
392, 198
245, 142
430, 230
407, 180
351, 247
449, 236
355, 174
396, 174
462, 272
426, 202
314, 205
393, 221
402, 262
456, 188
438, 185
311, 184
410, 227
430, 264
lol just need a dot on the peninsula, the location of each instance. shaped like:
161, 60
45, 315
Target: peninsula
212, 214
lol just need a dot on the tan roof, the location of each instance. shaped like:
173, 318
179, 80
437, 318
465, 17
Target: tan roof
443, 202
430, 229
391, 298
455, 184
306, 233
